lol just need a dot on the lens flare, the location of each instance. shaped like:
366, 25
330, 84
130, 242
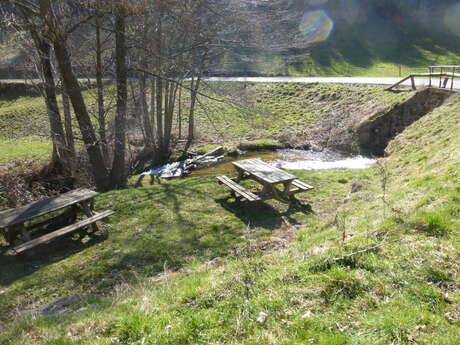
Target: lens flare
451, 18
316, 26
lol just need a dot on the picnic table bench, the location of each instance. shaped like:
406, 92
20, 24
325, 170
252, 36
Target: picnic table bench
271, 178
13, 222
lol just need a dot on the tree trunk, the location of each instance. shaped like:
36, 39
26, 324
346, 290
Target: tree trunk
179, 113
159, 113
169, 114
152, 104
118, 174
191, 117
147, 124
68, 128
100, 91
61, 154
55, 32
81, 113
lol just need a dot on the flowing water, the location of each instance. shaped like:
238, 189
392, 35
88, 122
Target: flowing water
294, 160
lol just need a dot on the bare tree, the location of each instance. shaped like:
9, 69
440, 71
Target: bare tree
118, 173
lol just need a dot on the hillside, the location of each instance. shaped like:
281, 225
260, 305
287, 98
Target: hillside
326, 37
287, 112
375, 262
318, 37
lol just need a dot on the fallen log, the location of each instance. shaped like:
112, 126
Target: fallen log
216, 152
179, 169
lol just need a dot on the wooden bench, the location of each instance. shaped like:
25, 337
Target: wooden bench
238, 189
301, 187
62, 232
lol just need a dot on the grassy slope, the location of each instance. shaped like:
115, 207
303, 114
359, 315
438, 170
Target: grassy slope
258, 111
374, 49
23, 128
24, 124
390, 54
401, 293
368, 39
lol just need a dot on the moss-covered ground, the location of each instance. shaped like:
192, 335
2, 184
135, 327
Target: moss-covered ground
374, 259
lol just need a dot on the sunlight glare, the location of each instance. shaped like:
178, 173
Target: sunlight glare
316, 25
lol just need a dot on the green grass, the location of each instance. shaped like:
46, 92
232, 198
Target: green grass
22, 117
24, 123
348, 53
24, 148
282, 111
165, 226
260, 145
148, 280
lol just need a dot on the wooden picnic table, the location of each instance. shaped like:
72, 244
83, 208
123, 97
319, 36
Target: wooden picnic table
13, 222
271, 179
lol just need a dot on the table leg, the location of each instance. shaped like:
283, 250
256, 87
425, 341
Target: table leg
13, 232
286, 193
25, 234
267, 192
88, 210
240, 175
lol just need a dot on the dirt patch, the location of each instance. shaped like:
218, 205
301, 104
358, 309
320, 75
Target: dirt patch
374, 132
370, 130
25, 181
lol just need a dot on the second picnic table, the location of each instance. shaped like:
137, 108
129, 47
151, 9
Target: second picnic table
271, 179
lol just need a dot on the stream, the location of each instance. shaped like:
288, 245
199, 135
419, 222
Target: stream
293, 160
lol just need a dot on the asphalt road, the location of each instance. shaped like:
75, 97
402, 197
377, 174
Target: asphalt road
387, 81
337, 80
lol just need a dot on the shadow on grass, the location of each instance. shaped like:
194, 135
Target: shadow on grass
153, 229
14, 267
150, 250
262, 214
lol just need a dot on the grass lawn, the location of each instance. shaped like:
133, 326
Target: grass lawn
24, 148
375, 260
24, 123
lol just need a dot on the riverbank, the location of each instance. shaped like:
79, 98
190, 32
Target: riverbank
288, 113
374, 259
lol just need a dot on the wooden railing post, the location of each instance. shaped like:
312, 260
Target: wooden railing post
431, 71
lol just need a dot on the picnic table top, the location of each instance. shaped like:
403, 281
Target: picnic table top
263, 171
40, 208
